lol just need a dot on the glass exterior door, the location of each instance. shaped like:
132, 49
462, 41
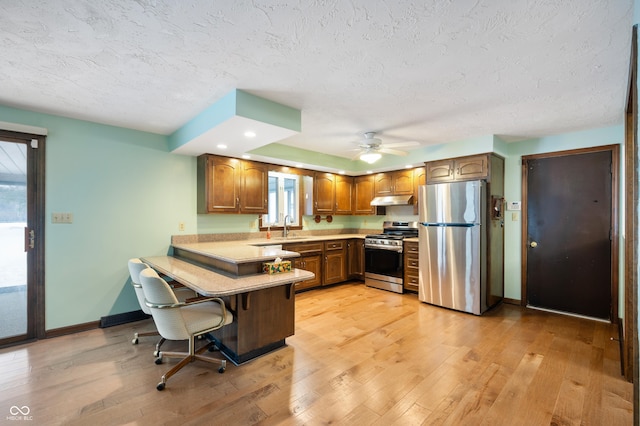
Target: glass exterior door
13, 256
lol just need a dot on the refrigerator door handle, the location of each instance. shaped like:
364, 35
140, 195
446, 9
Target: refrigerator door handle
455, 225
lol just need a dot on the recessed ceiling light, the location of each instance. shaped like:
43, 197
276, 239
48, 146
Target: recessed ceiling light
299, 165
341, 172
250, 134
221, 146
408, 166
369, 172
246, 156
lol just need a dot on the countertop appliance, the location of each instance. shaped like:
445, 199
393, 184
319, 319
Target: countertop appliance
383, 255
453, 245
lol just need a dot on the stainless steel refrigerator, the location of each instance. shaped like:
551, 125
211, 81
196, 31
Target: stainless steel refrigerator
453, 245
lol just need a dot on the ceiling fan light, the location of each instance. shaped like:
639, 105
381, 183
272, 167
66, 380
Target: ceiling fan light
370, 157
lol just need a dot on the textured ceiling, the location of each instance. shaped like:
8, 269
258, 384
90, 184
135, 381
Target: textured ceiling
430, 71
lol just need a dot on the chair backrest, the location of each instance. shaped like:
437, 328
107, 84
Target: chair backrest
135, 267
169, 320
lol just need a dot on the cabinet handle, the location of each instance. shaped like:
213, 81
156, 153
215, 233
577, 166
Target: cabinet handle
237, 201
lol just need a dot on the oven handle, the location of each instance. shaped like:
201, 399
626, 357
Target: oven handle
385, 248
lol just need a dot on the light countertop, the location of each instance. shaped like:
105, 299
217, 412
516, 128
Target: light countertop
215, 284
237, 251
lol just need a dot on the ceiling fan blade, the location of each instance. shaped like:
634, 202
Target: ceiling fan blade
400, 144
393, 151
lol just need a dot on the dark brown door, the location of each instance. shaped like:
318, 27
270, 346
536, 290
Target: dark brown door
569, 211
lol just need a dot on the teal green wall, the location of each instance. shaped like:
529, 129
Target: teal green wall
128, 194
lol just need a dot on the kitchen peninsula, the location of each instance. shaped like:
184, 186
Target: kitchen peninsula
263, 304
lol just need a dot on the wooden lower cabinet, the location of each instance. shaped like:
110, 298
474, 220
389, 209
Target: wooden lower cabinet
411, 266
312, 264
335, 262
310, 260
355, 259
331, 261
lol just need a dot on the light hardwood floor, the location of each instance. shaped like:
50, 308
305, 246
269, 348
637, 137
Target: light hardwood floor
359, 356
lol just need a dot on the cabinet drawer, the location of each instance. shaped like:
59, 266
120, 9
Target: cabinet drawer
411, 281
334, 245
411, 263
410, 247
304, 248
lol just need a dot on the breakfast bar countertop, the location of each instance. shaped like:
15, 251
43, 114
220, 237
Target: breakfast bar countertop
236, 251
216, 283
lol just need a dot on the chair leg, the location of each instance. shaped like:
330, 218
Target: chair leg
134, 341
187, 358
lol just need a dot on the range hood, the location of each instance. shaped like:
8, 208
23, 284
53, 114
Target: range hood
393, 200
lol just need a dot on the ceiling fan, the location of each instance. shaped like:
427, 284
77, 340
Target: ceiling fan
371, 147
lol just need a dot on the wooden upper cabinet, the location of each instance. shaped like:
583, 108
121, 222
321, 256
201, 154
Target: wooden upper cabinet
419, 179
383, 184
254, 188
419, 176
324, 193
459, 169
363, 193
399, 182
439, 171
344, 195
230, 185
333, 194
403, 182
476, 167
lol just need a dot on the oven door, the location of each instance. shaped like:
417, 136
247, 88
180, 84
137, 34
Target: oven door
383, 269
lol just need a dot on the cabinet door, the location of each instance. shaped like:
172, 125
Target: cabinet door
403, 182
439, 171
335, 262
476, 167
383, 184
419, 179
223, 184
324, 193
344, 194
311, 264
254, 186
355, 258
363, 193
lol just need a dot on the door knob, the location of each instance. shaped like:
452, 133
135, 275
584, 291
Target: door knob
533, 244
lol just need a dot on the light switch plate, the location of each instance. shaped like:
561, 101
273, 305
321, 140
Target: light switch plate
61, 217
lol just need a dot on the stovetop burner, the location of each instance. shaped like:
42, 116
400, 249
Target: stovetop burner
392, 235
386, 236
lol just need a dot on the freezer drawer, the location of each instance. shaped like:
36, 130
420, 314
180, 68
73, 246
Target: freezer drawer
451, 268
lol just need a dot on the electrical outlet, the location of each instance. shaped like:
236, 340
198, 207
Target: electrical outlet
181, 226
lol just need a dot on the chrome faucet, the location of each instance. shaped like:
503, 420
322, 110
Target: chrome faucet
285, 231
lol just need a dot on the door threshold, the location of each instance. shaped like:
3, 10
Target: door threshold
569, 314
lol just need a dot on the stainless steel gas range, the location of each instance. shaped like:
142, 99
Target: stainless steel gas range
383, 254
